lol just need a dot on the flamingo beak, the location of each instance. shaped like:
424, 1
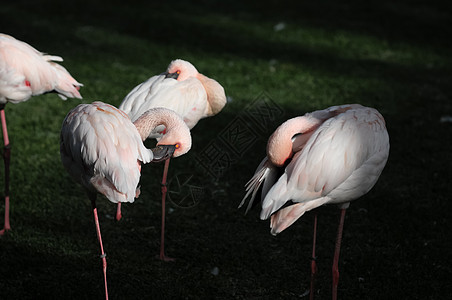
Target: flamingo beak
163, 152
174, 75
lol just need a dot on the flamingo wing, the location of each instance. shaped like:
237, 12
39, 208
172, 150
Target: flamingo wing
137, 97
102, 149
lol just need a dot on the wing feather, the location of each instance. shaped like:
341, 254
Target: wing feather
187, 98
102, 149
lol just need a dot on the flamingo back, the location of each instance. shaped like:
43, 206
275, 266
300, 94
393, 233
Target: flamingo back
102, 150
187, 98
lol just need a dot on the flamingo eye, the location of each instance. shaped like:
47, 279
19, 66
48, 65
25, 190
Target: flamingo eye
178, 72
177, 146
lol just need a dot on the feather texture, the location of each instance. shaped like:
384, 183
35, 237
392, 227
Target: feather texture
25, 72
338, 157
103, 150
190, 94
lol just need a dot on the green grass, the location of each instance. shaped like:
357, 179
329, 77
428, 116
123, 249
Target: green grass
394, 57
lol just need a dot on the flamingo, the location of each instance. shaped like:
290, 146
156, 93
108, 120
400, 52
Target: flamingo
330, 156
184, 90
103, 150
26, 72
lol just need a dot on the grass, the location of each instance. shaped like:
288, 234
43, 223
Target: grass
392, 56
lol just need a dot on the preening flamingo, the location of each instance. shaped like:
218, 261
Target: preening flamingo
182, 89
102, 150
330, 156
26, 72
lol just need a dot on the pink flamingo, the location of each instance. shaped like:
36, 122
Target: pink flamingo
330, 156
102, 150
26, 72
184, 90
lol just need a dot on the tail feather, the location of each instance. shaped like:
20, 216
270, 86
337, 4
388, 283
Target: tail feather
67, 86
265, 174
287, 216
252, 187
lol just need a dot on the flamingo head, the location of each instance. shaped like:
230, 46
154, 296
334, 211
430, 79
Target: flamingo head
279, 152
180, 70
279, 146
176, 139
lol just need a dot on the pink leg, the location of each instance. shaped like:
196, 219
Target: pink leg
99, 237
118, 212
336, 253
6, 158
162, 236
313, 260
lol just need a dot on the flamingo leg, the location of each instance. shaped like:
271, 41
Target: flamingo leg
118, 212
162, 235
99, 237
6, 158
336, 253
313, 260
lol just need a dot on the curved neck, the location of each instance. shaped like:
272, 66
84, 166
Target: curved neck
152, 118
279, 146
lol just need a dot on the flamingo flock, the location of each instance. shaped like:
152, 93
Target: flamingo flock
329, 156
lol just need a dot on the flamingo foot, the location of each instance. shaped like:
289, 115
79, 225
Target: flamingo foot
165, 258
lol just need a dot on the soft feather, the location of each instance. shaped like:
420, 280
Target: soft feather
102, 149
337, 158
26, 72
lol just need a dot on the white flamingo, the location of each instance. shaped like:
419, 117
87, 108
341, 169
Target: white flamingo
330, 156
26, 72
102, 150
182, 89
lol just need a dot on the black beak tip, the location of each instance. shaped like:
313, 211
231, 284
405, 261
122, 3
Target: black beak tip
174, 75
163, 152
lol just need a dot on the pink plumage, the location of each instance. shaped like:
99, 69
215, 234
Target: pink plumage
26, 72
103, 150
330, 156
180, 88
184, 90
